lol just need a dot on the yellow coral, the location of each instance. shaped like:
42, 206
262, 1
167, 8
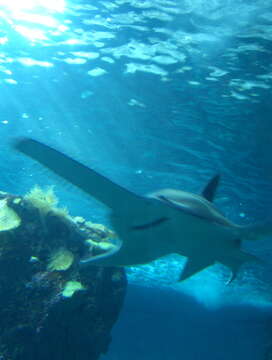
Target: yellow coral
8, 217
45, 200
96, 226
103, 245
60, 260
71, 287
17, 201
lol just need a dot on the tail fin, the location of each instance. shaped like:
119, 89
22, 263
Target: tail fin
256, 231
236, 260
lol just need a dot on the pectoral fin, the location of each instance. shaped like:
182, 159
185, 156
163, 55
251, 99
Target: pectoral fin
193, 266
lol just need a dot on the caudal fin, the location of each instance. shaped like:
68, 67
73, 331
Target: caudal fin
256, 231
236, 260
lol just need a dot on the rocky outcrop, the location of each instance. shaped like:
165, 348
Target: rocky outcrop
52, 307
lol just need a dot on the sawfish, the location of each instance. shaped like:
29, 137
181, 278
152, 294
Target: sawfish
164, 222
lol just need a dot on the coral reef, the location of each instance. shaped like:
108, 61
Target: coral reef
51, 307
45, 200
61, 259
8, 217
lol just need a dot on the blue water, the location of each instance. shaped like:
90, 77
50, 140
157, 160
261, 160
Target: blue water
153, 94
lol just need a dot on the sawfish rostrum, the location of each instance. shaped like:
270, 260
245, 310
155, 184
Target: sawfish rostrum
164, 222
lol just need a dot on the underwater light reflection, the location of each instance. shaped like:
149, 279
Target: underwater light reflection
17, 5
34, 19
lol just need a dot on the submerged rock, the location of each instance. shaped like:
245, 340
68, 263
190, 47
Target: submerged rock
52, 307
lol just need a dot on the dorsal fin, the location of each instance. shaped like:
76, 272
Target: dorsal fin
210, 189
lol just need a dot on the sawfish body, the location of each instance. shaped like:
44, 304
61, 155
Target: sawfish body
157, 226
164, 222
